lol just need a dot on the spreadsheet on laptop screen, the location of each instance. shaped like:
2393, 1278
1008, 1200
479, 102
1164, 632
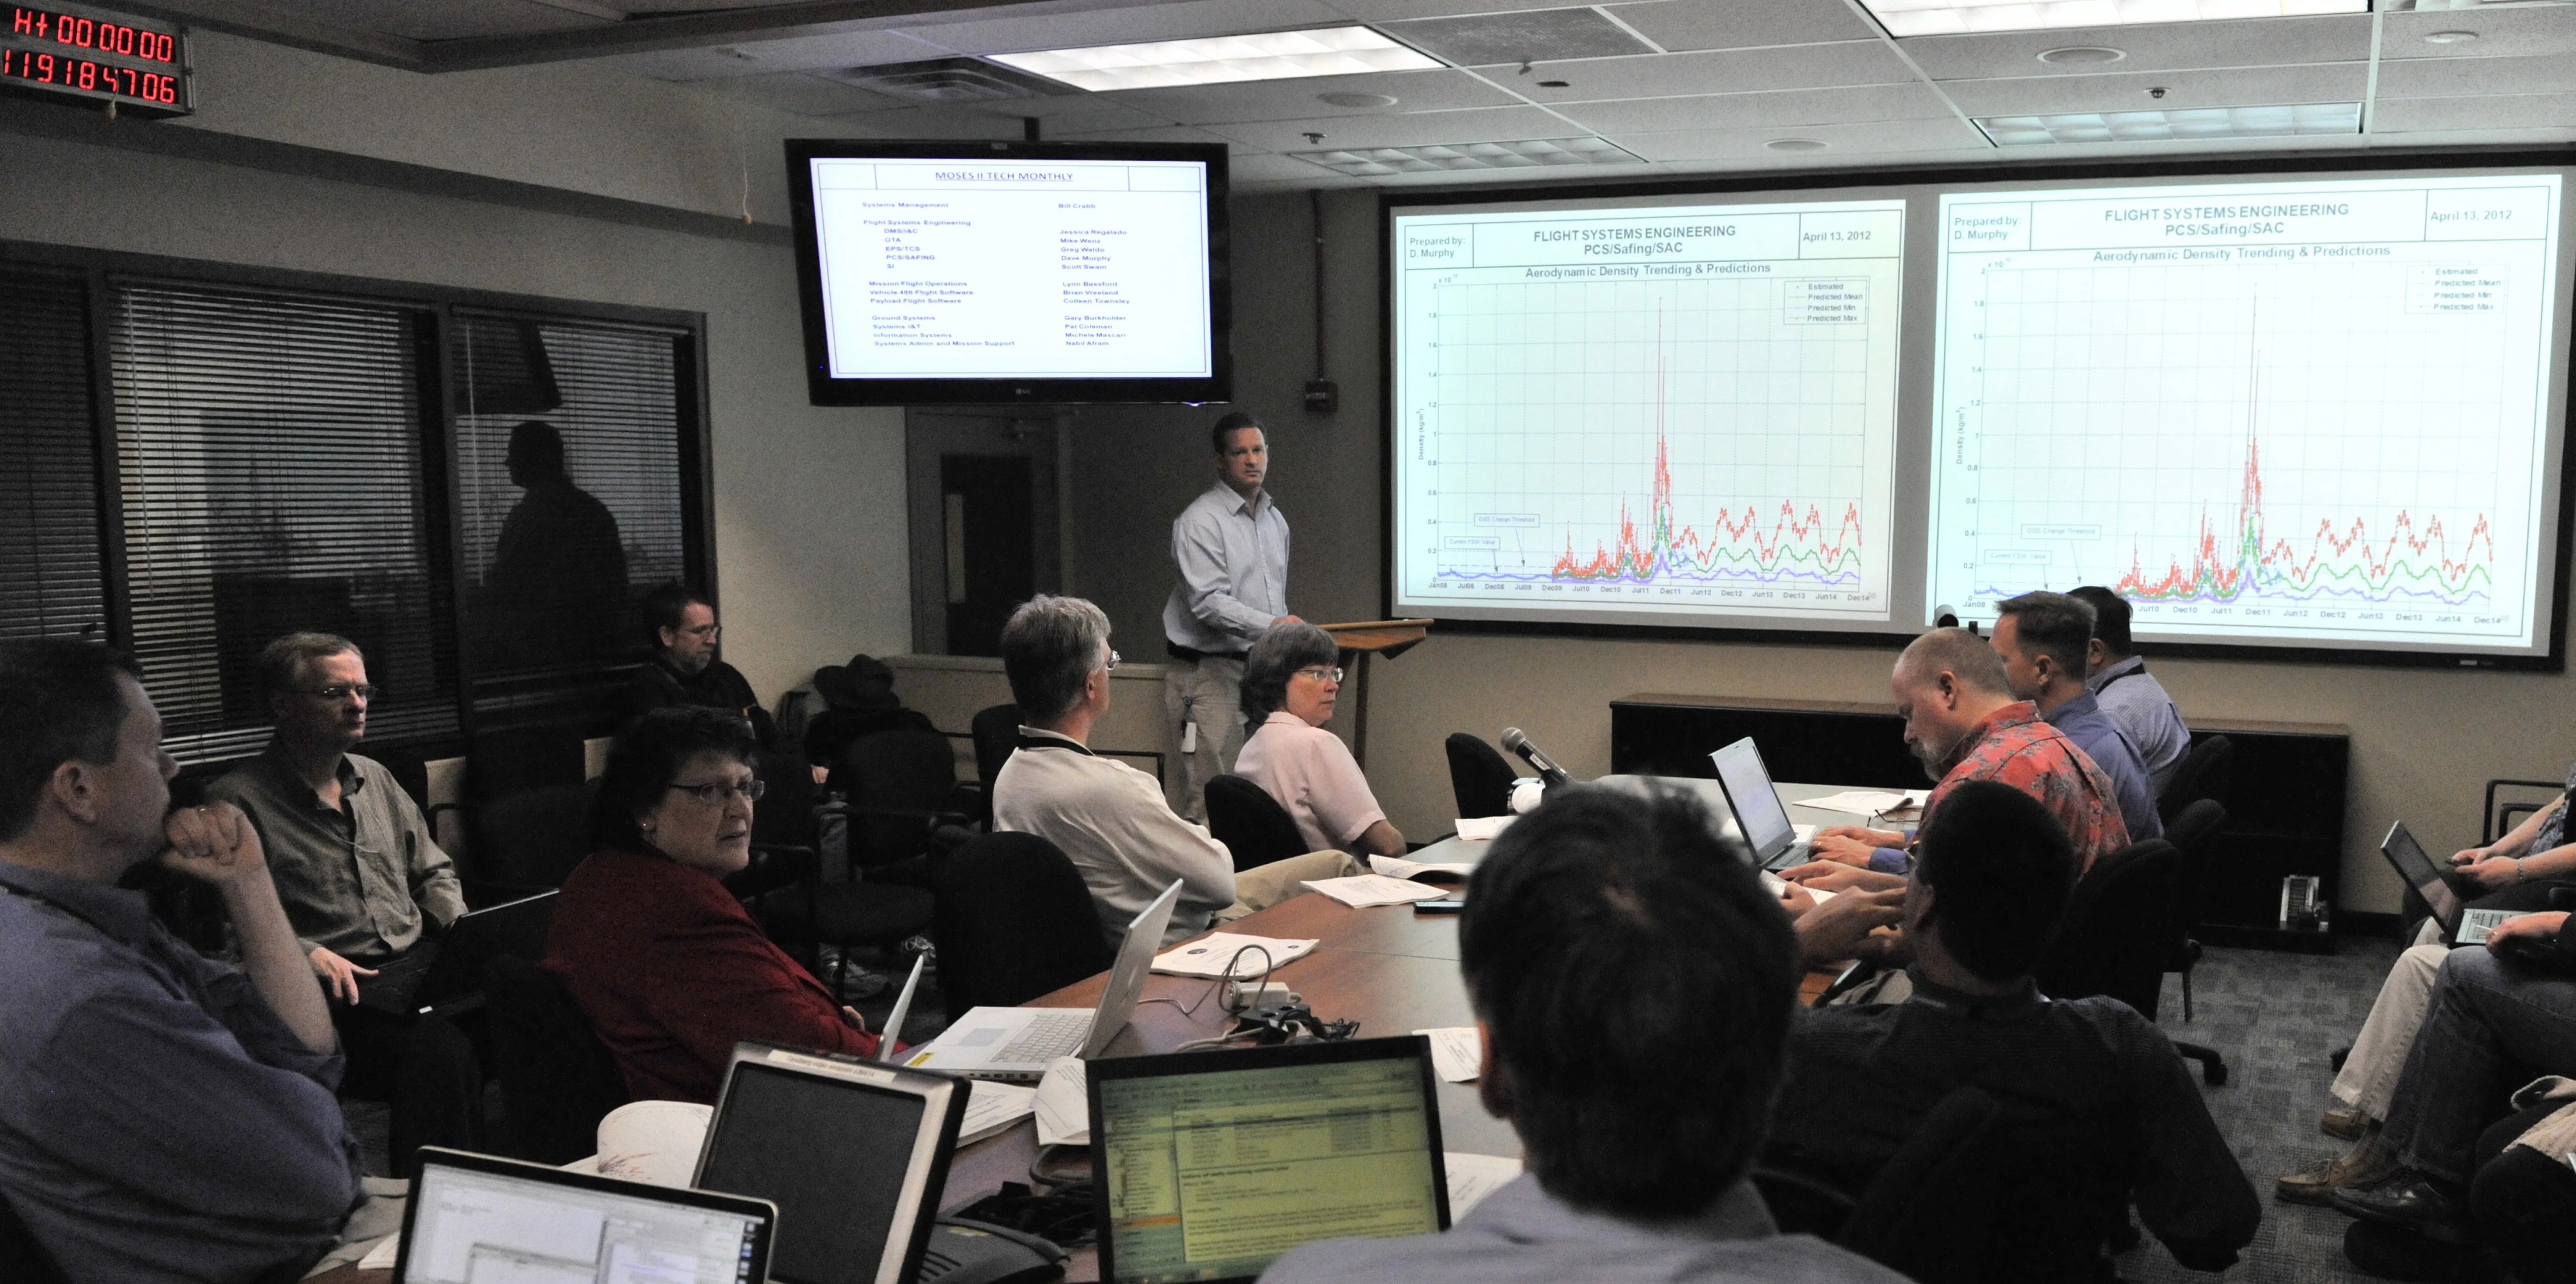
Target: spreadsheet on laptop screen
474, 1227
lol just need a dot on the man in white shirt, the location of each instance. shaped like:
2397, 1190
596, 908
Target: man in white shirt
2130, 696
1230, 562
1107, 817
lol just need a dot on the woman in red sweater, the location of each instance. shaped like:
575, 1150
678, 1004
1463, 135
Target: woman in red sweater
666, 963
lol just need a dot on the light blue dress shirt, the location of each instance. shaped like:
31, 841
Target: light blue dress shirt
1231, 557
2137, 704
2092, 730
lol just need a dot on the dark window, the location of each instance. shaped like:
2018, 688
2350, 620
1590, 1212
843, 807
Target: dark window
52, 568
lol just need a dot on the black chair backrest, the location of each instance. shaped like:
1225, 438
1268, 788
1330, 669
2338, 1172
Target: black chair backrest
1930, 1212
997, 732
1480, 776
2194, 834
784, 816
905, 770
530, 840
557, 1080
2111, 940
1251, 823
1014, 921
2204, 773
505, 761
21, 1257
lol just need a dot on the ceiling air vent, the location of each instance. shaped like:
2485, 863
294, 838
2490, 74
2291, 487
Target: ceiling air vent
949, 80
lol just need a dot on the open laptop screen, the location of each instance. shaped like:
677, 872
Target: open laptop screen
1216, 1163
474, 1219
832, 1153
1749, 793
2420, 873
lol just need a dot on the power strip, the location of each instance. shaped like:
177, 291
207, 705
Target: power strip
1250, 997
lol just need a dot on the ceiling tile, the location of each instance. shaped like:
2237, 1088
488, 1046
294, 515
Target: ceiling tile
1157, 134
2502, 32
1405, 129
2442, 139
2516, 111
1255, 173
770, 57
802, 94
2268, 42
1755, 111
438, 19
1743, 71
2245, 87
933, 123
1298, 99
1180, 21
1681, 25
1398, 10
1486, 39
1945, 135
2475, 77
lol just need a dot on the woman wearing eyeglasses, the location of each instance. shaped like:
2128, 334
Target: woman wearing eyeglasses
670, 968
1291, 681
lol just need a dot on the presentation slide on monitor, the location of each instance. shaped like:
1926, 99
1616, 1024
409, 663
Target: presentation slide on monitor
937, 269
1659, 414
2283, 413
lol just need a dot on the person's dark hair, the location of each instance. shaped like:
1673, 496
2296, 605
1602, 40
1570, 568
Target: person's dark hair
649, 754
1227, 426
281, 663
1638, 984
536, 444
1050, 645
1274, 658
1962, 654
666, 607
2110, 618
2000, 869
61, 701
2055, 625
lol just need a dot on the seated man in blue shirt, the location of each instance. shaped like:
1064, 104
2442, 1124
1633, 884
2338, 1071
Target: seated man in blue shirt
165, 1117
2043, 638
1633, 984
2131, 697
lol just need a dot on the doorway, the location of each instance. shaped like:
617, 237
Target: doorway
985, 509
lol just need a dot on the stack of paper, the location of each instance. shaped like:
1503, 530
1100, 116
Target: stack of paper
1062, 1101
1457, 1055
1209, 955
1482, 829
653, 1141
1359, 891
993, 1107
1399, 867
1868, 802
1472, 1177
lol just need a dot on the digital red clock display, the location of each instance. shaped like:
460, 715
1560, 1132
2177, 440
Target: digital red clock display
85, 54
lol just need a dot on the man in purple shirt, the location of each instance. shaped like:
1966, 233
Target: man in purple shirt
2043, 638
162, 1117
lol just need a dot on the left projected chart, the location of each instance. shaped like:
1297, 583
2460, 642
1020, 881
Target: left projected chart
1679, 415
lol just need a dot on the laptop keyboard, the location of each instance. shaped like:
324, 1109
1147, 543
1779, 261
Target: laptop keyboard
1046, 1039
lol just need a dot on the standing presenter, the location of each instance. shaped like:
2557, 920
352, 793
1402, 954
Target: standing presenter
1230, 562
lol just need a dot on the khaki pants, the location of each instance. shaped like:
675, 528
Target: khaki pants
2368, 1081
1263, 886
1205, 694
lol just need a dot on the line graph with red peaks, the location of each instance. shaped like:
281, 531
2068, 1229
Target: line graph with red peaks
1791, 547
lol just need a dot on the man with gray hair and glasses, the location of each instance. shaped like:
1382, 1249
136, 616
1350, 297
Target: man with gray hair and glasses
1110, 819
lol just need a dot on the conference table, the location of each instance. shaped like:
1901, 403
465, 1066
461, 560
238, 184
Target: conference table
1390, 969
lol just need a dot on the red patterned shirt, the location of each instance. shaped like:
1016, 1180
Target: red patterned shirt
2013, 746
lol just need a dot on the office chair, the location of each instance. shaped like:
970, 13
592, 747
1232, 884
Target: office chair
2205, 773
996, 732
526, 842
557, 1079
506, 760
2194, 834
1927, 1213
2497, 820
1251, 823
1479, 776
2113, 939
902, 787
844, 914
1014, 921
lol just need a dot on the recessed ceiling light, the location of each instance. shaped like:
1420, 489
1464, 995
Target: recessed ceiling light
1556, 84
1796, 144
2450, 37
2081, 55
1277, 55
1379, 162
1960, 17
1357, 100
2179, 124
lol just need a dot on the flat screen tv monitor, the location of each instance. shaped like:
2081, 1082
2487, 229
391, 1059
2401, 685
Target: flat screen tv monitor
1001, 273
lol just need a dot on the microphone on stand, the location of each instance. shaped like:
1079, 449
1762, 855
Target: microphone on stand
1538, 760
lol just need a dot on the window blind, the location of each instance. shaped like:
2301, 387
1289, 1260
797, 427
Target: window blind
569, 440
270, 462
52, 573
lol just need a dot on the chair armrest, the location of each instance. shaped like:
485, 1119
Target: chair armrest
2490, 820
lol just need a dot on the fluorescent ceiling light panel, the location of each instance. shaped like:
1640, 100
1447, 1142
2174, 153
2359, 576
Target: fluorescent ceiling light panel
1277, 55
2175, 125
1962, 17
1378, 162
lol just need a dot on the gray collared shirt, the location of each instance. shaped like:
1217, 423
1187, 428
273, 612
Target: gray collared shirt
1522, 1233
1231, 556
2137, 704
157, 1121
355, 879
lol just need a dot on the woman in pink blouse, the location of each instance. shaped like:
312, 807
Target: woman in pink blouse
1291, 680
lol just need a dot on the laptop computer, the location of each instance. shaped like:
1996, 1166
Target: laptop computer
449, 970
1209, 1165
1759, 816
474, 1218
893, 1028
853, 1153
2430, 881
1017, 1043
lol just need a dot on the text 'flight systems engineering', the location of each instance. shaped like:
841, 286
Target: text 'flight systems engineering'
1013, 269
1661, 415
2280, 413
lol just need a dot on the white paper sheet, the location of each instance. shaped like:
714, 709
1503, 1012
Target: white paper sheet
1399, 867
1063, 1104
1867, 802
1777, 885
992, 1107
1482, 829
381, 1257
653, 1141
1208, 955
1456, 1053
1360, 891
1472, 1177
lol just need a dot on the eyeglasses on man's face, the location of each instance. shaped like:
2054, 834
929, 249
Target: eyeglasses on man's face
339, 691
703, 633
1322, 672
1112, 665
715, 792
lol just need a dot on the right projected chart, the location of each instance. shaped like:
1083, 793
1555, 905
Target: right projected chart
2277, 413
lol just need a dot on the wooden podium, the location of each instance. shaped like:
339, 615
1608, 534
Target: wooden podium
1359, 641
